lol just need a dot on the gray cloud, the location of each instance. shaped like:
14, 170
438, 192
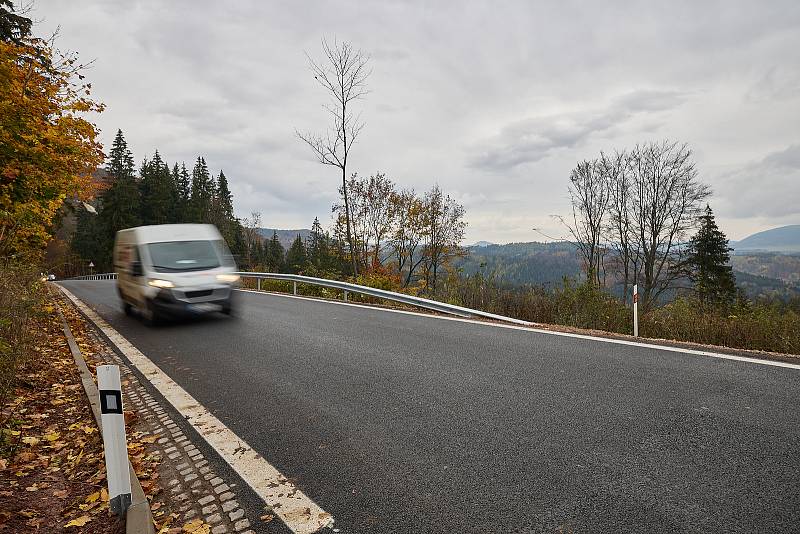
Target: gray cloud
532, 139
769, 187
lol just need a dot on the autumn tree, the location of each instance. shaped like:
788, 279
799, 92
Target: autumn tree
253, 254
408, 234
48, 146
443, 232
343, 74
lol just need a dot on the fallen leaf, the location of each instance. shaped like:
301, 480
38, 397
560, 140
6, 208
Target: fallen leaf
92, 497
196, 526
30, 440
267, 518
60, 493
79, 522
52, 436
26, 456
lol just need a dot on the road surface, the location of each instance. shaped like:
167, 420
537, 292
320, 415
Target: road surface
400, 423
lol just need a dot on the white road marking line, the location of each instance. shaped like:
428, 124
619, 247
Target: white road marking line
696, 352
297, 511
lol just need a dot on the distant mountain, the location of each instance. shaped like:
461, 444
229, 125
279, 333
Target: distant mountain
785, 240
482, 244
286, 237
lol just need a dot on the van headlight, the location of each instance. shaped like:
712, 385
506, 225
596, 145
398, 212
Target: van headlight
228, 278
163, 284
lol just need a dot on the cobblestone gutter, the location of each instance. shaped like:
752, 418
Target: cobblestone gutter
192, 492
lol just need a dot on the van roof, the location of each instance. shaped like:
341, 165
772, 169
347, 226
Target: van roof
157, 233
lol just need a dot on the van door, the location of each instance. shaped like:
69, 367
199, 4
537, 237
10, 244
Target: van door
129, 273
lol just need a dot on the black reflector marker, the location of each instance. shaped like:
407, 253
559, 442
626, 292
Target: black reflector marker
114, 440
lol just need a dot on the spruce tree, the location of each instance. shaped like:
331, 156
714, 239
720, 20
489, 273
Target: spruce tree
708, 263
158, 193
119, 205
183, 189
222, 209
296, 257
275, 254
202, 193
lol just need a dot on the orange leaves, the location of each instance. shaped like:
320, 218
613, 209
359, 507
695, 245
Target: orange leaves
79, 522
196, 526
50, 150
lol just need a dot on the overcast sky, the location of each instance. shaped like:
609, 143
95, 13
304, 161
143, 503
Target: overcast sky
494, 101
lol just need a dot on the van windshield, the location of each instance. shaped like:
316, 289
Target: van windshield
173, 256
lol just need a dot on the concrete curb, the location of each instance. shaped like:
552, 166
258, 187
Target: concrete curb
138, 519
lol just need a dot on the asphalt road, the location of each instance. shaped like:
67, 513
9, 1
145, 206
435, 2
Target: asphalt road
401, 423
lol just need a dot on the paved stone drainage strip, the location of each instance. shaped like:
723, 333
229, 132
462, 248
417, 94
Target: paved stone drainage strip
191, 488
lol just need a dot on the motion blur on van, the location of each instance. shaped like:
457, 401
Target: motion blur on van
172, 270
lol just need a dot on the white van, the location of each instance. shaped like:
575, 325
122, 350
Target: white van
174, 269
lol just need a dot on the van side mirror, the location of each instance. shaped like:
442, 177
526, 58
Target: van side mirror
136, 268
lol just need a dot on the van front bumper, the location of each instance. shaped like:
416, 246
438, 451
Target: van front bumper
178, 302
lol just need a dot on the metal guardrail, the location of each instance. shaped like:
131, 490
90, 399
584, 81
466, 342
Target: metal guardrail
99, 276
411, 300
346, 287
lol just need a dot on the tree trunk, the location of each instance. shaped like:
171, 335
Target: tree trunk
347, 220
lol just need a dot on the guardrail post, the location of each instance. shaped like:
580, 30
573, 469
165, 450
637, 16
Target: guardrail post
259, 283
114, 441
294, 288
635, 310
345, 296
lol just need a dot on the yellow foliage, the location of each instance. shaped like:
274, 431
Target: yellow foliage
48, 150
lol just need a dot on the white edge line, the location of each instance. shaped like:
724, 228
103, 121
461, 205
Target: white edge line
774, 363
296, 510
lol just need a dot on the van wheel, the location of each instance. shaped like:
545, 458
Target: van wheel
126, 307
151, 317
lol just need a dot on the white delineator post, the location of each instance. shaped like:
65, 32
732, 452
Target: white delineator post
635, 310
114, 440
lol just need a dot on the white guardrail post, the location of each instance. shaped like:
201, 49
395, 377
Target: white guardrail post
114, 440
635, 310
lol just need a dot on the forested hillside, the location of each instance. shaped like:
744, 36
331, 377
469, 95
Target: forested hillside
524, 263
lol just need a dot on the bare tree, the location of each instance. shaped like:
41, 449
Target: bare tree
252, 238
589, 195
666, 198
444, 231
614, 168
343, 73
